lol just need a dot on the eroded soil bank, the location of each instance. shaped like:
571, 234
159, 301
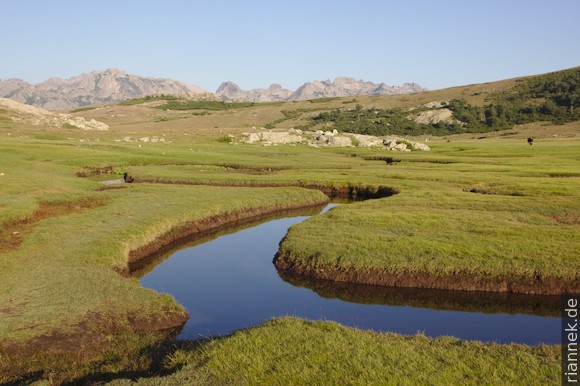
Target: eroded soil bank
190, 231
472, 301
415, 279
136, 336
350, 191
145, 255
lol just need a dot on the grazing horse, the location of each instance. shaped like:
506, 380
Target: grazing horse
127, 178
530, 141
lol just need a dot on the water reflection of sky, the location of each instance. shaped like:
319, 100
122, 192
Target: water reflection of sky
231, 283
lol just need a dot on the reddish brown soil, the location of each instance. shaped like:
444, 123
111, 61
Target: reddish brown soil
458, 281
568, 218
145, 255
349, 191
87, 346
12, 233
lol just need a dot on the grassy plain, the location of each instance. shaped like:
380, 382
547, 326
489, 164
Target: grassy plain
65, 240
495, 210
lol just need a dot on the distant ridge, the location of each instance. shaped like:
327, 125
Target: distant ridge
114, 85
340, 87
111, 85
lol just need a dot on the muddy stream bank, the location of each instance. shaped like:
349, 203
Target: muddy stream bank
227, 281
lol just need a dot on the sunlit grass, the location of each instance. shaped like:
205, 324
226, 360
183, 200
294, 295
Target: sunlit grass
495, 206
290, 351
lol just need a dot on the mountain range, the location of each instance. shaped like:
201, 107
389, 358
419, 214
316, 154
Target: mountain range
114, 85
340, 87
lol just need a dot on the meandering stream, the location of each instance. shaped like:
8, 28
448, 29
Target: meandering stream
230, 283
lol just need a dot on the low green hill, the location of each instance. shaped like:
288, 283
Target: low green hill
477, 108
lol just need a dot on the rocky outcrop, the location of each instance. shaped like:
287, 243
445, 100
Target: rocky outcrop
333, 138
229, 91
274, 137
340, 87
111, 85
344, 87
30, 115
430, 117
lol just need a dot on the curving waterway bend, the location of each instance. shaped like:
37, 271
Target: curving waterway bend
230, 283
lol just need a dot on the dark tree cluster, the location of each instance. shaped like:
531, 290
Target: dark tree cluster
551, 97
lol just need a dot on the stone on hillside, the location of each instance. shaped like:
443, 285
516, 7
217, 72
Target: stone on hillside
339, 141
421, 146
401, 147
368, 140
390, 142
279, 137
252, 138
435, 116
322, 138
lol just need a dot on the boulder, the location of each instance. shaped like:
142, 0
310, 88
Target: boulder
252, 138
421, 146
401, 147
339, 141
368, 140
322, 138
279, 137
435, 116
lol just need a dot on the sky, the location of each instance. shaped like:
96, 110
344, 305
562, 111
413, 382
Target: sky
437, 44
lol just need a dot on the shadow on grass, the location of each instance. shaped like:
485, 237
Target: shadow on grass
99, 366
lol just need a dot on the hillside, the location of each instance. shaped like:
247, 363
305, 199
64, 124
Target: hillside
20, 114
458, 110
552, 97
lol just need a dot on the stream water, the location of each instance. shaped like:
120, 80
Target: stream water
230, 283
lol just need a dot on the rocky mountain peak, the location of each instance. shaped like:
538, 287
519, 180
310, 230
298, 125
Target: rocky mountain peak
228, 87
114, 85
275, 86
110, 85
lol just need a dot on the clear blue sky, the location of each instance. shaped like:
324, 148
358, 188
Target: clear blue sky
255, 43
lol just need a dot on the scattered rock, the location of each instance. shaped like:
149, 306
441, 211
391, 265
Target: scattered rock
279, 137
21, 113
434, 116
368, 140
327, 139
421, 146
401, 147
252, 138
339, 141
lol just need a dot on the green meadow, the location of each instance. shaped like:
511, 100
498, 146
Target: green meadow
486, 208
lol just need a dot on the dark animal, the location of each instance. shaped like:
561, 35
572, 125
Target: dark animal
127, 178
530, 141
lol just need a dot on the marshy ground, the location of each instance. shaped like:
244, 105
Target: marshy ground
494, 211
